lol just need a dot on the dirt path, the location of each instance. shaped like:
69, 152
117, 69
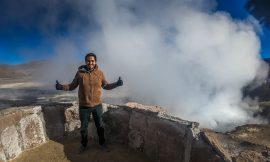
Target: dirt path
66, 151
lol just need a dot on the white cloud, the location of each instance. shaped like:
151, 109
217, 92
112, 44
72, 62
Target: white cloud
185, 57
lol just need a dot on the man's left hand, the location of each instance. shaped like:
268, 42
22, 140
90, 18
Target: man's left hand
119, 82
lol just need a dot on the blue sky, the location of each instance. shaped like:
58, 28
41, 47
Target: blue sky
237, 11
20, 43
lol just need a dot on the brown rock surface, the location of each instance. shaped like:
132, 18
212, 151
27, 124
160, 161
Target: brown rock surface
2, 155
21, 128
66, 151
10, 142
253, 133
161, 137
151, 108
248, 143
32, 131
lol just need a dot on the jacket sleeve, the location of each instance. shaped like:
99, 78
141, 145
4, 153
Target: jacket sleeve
73, 85
106, 85
110, 86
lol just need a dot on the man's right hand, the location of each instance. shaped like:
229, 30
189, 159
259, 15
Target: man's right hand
58, 86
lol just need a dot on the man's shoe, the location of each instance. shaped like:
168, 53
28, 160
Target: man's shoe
82, 149
105, 148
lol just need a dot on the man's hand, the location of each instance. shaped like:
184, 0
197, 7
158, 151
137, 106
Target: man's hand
113, 85
119, 82
58, 86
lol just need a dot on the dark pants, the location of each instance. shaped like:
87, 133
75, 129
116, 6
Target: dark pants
84, 113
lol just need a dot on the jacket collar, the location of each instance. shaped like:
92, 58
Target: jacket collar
85, 69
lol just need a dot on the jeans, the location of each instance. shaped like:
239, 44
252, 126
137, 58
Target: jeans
84, 113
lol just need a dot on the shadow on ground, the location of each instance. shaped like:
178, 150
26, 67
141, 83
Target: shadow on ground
67, 151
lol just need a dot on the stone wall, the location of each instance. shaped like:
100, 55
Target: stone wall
20, 129
148, 129
62, 121
160, 137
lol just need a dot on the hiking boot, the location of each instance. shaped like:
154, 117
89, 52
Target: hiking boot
82, 149
104, 147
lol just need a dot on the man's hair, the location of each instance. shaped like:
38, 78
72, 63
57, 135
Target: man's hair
90, 54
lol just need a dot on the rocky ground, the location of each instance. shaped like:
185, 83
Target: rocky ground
67, 151
245, 143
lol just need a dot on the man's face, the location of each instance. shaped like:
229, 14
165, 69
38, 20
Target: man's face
90, 62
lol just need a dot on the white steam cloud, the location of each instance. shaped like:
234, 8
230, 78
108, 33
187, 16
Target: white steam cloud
180, 54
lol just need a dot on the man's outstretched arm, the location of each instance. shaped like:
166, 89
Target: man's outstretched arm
113, 85
68, 87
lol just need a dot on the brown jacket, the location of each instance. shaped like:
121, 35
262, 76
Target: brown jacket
90, 84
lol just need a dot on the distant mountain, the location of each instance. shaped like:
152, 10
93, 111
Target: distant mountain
31, 65
21, 71
8, 71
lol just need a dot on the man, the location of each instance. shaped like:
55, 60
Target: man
90, 79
